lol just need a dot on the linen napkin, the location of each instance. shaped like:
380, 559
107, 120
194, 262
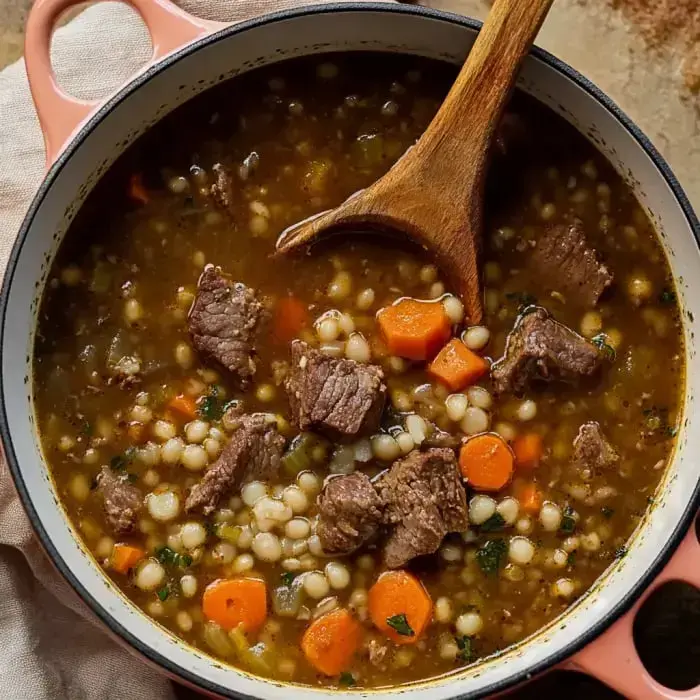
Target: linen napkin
52, 648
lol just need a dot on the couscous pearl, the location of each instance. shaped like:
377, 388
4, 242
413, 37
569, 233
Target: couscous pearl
163, 506
188, 585
505, 430
92, 456
443, 610
196, 431
142, 414
451, 553
316, 585
338, 575
341, 286
164, 430
448, 649
527, 410
365, 299
591, 324
479, 397
477, 337
469, 624
481, 508
524, 525
184, 621
71, 276
296, 499
428, 274
184, 355
297, 528
508, 509
309, 483
213, 447
384, 447
265, 393
267, 547
271, 512
192, 535
475, 420
405, 442
104, 547
328, 330
315, 547
456, 406
178, 184
560, 558
417, 428
171, 450
223, 552
194, 458
563, 588
550, 516
454, 309
149, 575
243, 563
291, 564
347, 325
521, 550
358, 598
252, 492
436, 290
571, 544
590, 542
133, 311
327, 71
639, 289
357, 348
155, 608
66, 443
80, 487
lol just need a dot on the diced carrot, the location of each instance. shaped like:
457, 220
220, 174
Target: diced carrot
184, 406
137, 191
236, 601
528, 450
414, 329
457, 366
291, 317
331, 641
399, 606
125, 557
486, 462
530, 498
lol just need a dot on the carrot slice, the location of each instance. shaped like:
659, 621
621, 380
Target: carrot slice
528, 450
184, 406
486, 462
125, 557
137, 191
414, 329
291, 317
331, 641
399, 606
530, 498
236, 601
457, 366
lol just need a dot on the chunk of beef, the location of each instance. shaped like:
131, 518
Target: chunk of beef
222, 189
223, 322
540, 348
122, 501
341, 398
592, 449
350, 513
563, 261
424, 500
254, 452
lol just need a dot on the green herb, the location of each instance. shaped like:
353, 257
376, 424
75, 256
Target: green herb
670, 431
119, 462
400, 624
607, 512
210, 528
568, 522
571, 559
164, 592
132, 478
491, 556
650, 500
601, 342
495, 522
211, 408
169, 557
620, 552
185, 560
523, 299
667, 296
287, 578
656, 420
347, 679
466, 652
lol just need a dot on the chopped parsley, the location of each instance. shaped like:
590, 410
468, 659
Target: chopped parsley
210, 528
568, 522
656, 420
169, 557
287, 578
667, 296
164, 592
607, 512
346, 679
212, 407
121, 461
495, 522
571, 559
464, 644
601, 342
491, 556
620, 552
399, 623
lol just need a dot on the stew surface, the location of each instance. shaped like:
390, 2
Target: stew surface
313, 467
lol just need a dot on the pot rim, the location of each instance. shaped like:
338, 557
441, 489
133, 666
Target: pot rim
107, 618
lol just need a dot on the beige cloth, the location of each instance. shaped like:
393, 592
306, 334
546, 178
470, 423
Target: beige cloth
51, 647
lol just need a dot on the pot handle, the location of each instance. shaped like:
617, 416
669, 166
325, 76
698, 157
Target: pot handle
613, 658
60, 114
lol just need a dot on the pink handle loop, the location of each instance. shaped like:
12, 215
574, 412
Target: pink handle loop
60, 114
613, 658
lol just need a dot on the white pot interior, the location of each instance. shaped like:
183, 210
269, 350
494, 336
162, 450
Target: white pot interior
318, 31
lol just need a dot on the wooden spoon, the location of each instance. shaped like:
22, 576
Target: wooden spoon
434, 193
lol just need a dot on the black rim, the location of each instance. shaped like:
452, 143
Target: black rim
186, 676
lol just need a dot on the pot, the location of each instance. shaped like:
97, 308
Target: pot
82, 141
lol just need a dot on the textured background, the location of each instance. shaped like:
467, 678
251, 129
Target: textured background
653, 81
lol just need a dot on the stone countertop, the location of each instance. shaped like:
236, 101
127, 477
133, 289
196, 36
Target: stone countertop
649, 87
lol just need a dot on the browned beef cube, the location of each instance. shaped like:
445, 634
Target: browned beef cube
254, 452
341, 398
564, 262
592, 450
123, 501
540, 348
223, 322
350, 513
424, 500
